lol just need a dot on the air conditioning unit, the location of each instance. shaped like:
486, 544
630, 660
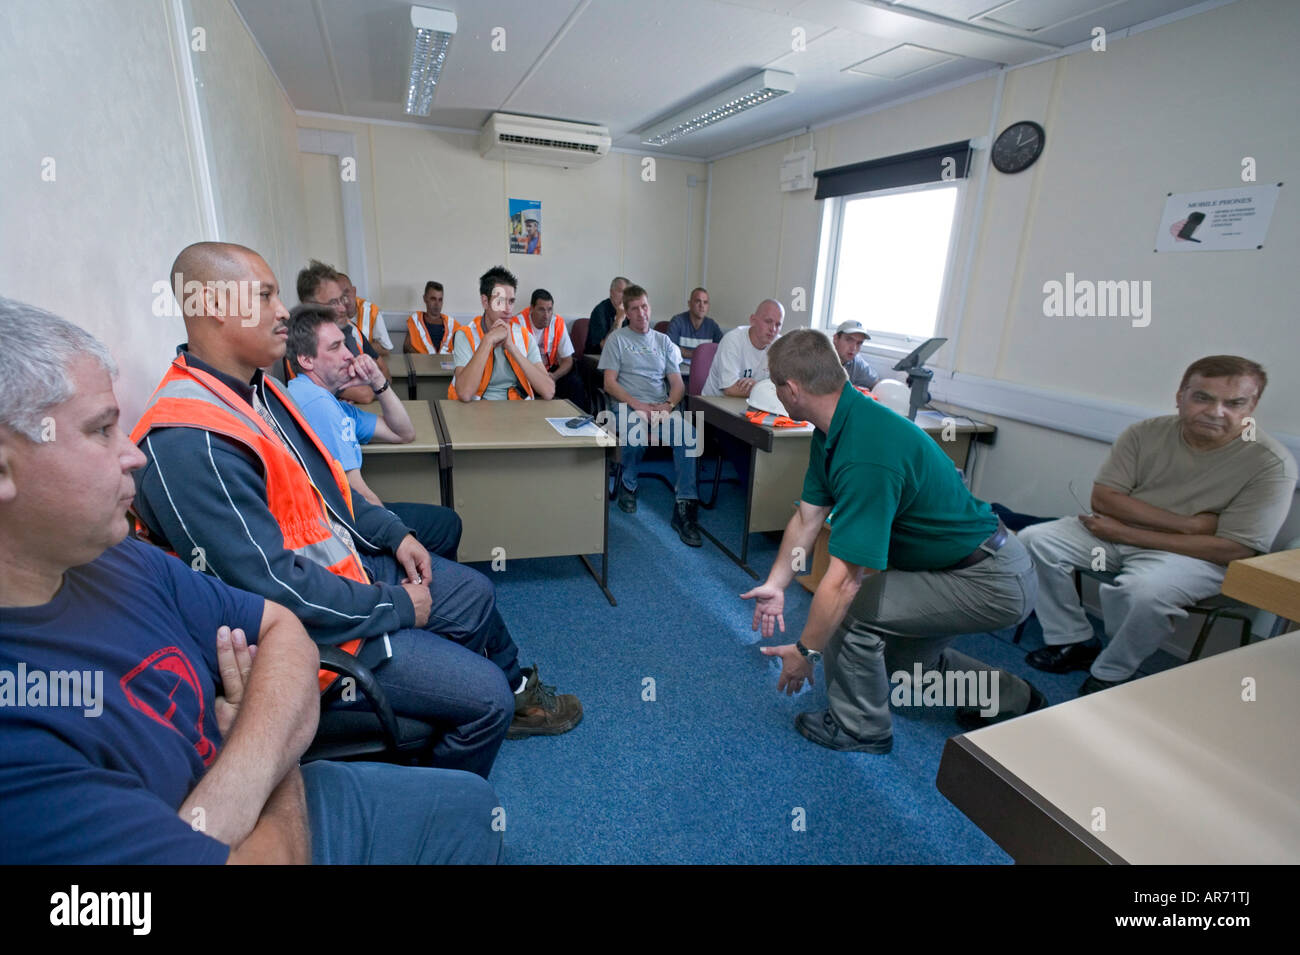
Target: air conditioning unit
546, 141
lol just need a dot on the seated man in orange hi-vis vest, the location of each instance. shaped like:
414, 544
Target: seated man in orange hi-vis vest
497, 357
365, 316
430, 332
238, 484
320, 284
556, 348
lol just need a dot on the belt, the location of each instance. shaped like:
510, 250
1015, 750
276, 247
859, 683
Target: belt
991, 545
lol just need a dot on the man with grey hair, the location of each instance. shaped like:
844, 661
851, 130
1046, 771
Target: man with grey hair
915, 562
156, 768
741, 359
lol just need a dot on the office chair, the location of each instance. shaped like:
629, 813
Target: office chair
375, 734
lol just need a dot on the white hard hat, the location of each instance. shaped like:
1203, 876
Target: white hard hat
763, 398
893, 394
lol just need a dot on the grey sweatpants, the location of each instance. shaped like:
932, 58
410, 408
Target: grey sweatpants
1140, 609
902, 618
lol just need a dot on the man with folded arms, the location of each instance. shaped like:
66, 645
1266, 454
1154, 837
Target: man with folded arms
915, 560
1179, 497
205, 696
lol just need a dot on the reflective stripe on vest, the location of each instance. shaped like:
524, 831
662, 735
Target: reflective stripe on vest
548, 339
773, 420
449, 329
418, 333
523, 340
190, 398
367, 315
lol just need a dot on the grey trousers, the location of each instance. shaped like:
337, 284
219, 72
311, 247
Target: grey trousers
1142, 606
902, 618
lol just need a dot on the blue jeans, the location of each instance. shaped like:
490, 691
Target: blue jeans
436, 528
682, 463
459, 671
380, 814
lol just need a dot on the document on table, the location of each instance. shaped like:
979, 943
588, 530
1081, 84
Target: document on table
588, 430
448, 366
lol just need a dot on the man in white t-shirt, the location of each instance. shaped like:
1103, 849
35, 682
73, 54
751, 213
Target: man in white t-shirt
741, 358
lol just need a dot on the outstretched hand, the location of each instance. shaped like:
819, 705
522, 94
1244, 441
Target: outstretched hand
769, 608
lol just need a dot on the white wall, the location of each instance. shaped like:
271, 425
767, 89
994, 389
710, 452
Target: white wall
1170, 109
97, 86
90, 244
434, 209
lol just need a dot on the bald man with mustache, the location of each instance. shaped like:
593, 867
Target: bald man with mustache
238, 484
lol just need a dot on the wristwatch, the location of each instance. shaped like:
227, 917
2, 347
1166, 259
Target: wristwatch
812, 656
380, 391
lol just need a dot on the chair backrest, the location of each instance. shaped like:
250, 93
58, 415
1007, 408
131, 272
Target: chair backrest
578, 335
661, 327
701, 362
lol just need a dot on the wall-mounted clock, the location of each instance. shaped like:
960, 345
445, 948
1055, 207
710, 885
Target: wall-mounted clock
1018, 147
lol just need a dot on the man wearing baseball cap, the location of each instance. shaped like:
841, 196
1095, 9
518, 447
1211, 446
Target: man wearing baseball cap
848, 339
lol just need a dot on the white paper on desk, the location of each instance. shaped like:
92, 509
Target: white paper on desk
797, 429
588, 430
448, 366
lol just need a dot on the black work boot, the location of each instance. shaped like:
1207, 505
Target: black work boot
685, 517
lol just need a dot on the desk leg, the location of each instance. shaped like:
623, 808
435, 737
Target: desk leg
744, 544
603, 579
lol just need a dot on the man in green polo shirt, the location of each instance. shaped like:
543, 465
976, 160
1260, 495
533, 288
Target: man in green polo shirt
915, 562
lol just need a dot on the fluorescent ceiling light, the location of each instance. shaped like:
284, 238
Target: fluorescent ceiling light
759, 88
433, 32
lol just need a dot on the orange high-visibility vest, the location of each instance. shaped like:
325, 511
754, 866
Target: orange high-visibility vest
417, 332
548, 339
191, 398
367, 316
523, 340
772, 420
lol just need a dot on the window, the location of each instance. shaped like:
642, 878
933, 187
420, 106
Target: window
885, 257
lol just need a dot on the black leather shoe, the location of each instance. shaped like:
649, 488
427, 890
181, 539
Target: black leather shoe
969, 717
824, 730
1064, 658
684, 523
1092, 685
626, 499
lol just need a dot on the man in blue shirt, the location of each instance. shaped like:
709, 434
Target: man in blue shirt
148, 713
323, 368
693, 327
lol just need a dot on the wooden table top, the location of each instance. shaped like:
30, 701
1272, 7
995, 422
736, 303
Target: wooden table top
499, 425
1183, 768
426, 435
431, 366
1269, 581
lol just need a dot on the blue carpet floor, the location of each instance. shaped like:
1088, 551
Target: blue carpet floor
711, 770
